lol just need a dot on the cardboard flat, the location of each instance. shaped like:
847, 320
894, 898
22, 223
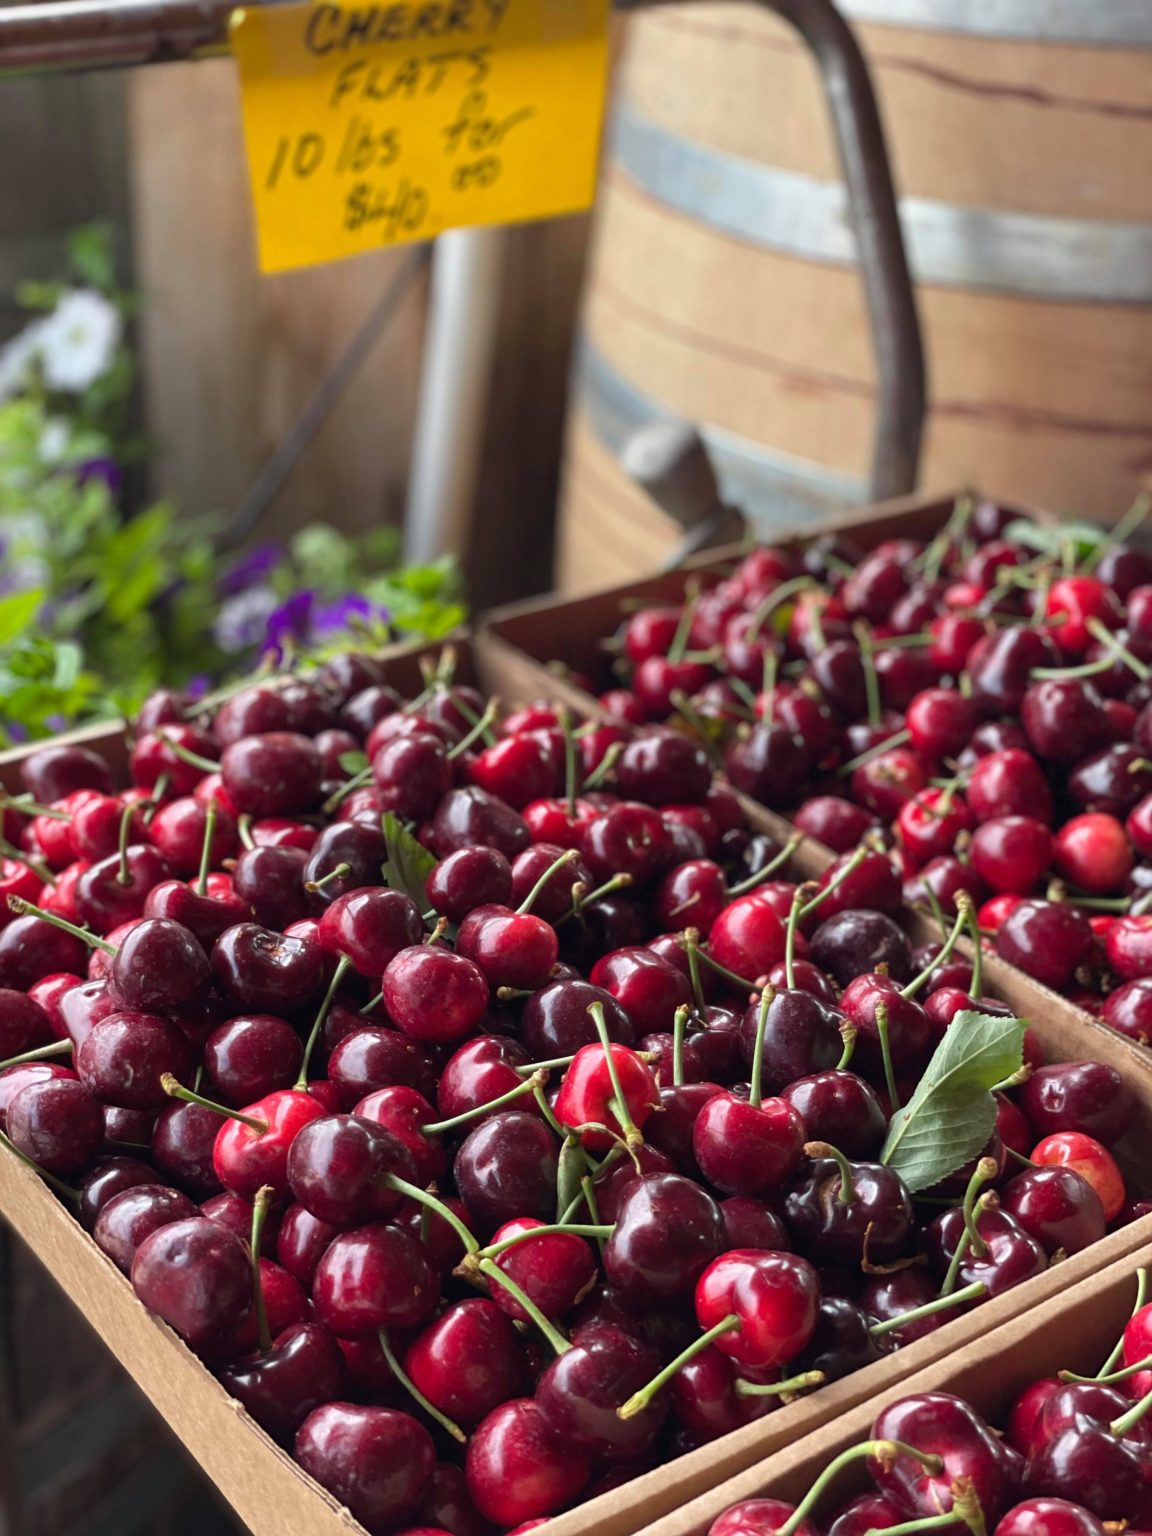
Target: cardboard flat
1075, 1334
274, 1496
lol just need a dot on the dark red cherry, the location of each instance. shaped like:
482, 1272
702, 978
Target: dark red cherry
481, 1070
338, 1166
251, 1056
471, 877
555, 1020
197, 1276
801, 1035
260, 971
1087, 1096
433, 994
512, 949
470, 817
57, 1124
855, 943
747, 1149
123, 1058
646, 987
506, 1168
555, 1270
1000, 666
371, 926
1046, 939
667, 1231
835, 822
582, 1390
345, 843
375, 1461
519, 1468
373, 1277
628, 839
133, 1215
469, 1361
374, 1057
1056, 1207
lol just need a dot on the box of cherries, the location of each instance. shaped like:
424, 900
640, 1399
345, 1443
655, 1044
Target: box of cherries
459, 1111
1032, 1432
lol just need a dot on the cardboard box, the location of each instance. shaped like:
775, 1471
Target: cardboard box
1077, 1335
274, 1496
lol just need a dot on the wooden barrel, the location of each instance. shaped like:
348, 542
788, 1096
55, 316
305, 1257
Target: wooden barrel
722, 284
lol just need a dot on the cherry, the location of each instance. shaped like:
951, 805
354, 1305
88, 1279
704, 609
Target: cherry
433, 994
124, 1057
929, 824
110, 1177
704, 1397
183, 1141
57, 1124
129, 1217
664, 765
469, 817
667, 1231
197, 1277
647, 988
370, 1058
301, 1239
1092, 853
759, 1517
1111, 780
797, 1035
773, 1298
270, 881
1080, 1456
511, 948
1129, 1010
1063, 719
848, 1213
24, 1024
1086, 1096
837, 823
939, 1424
772, 764
1051, 1517
1093, 1162
371, 926
627, 839
251, 1056
1010, 853
855, 943
1000, 666
468, 1362
1008, 782
345, 857
1057, 1207
1073, 602
870, 1512
252, 1147
260, 971
748, 938
376, 1461
940, 722
483, 1069
583, 1389
1046, 939
373, 1277
404, 1113
506, 1169
338, 1167
884, 784
555, 1270
31, 949
1011, 1255
471, 877
204, 915
556, 1020
52, 772
839, 1107
114, 890
607, 1094
519, 1468
302, 1369
670, 1130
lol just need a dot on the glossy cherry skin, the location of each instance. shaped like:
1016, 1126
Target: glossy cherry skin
469, 1361
1013, 1256
581, 1390
870, 1512
123, 1058
1083, 1461
1057, 1207
506, 1169
204, 916
361, 847
133, 1215
1046, 939
471, 877
52, 772
648, 989
854, 943
469, 817
337, 1167
939, 1424
1092, 1161
746, 1149
1086, 1096
555, 1021
555, 1270
376, 1461
748, 938
31, 949
1048, 1517
274, 774
435, 995
841, 1342
667, 1231
775, 1296
1010, 853
839, 1107
481, 1070
197, 1276
300, 1242
57, 1123
260, 971
447, 1505
371, 1058
183, 1141
303, 1369
104, 901
519, 1468
111, 1177
512, 949
802, 1036
758, 1517
587, 1095
876, 1223
373, 1277
403, 1113
1000, 667
251, 1056
245, 1159
752, 1223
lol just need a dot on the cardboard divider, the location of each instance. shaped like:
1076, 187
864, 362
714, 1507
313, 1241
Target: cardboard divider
273, 1495
988, 1372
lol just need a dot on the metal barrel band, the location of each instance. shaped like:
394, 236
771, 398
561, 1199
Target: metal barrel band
1099, 23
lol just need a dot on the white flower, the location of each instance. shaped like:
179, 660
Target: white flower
17, 357
241, 621
23, 538
78, 340
54, 440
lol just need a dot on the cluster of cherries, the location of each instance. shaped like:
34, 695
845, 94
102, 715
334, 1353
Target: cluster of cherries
1074, 1459
478, 1099
982, 706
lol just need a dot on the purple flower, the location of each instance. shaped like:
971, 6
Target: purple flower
103, 469
56, 722
196, 687
289, 622
254, 567
353, 607
17, 732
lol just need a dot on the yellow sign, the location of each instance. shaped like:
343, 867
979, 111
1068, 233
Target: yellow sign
368, 125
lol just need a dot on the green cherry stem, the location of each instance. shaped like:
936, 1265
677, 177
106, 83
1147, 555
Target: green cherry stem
880, 1450
690, 944
640, 1400
848, 1033
533, 896
963, 917
801, 895
836, 881
185, 755
977, 953
259, 1215
632, 1135
1112, 1376
578, 1229
605, 767
896, 740
799, 1383
971, 1292
1116, 1353
348, 787
176, 1090
863, 636
341, 872
987, 1168
24, 908
414, 1391
529, 1085
679, 1024
425, 1198
372, 1003
546, 1110
475, 733
551, 1333
886, 1056
1106, 638
1129, 1420
722, 970
37, 866
1132, 519
206, 849
41, 1053
847, 1192
766, 871
314, 1034
767, 998
684, 627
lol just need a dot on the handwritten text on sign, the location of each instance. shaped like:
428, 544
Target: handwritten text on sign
367, 125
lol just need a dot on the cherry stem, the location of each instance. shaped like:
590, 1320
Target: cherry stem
533, 896
922, 1523
314, 1034
1087, 669
1132, 519
836, 881
632, 1136
1123, 1375
65, 1191
801, 895
767, 998
473, 718
684, 627
437, 931
185, 755
206, 849
474, 735
578, 1229
1129, 1420
697, 723
37, 866
414, 1391
987, 1168
848, 1033
341, 872
722, 970
679, 1024
546, 1110
347, 788
176, 1090
847, 1193
977, 953
886, 1057
963, 915
259, 1214
778, 1388
431, 1202
778, 595
768, 869
871, 681
604, 767
582, 897
896, 740
962, 1246
41, 1053
373, 1003
123, 874
554, 1062
29, 807
958, 519
883, 1451
640, 1400
551, 1333
588, 1189
971, 1292
1116, 1353
1104, 635
244, 832
690, 943
23, 908
439, 1127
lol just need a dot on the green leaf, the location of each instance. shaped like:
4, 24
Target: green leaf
950, 1117
17, 611
353, 762
409, 863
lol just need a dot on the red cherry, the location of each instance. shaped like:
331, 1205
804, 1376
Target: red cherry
519, 1468
468, 1362
774, 1297
1093, 1162
1092, 853
588, 1095
246, 1158
433, 994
